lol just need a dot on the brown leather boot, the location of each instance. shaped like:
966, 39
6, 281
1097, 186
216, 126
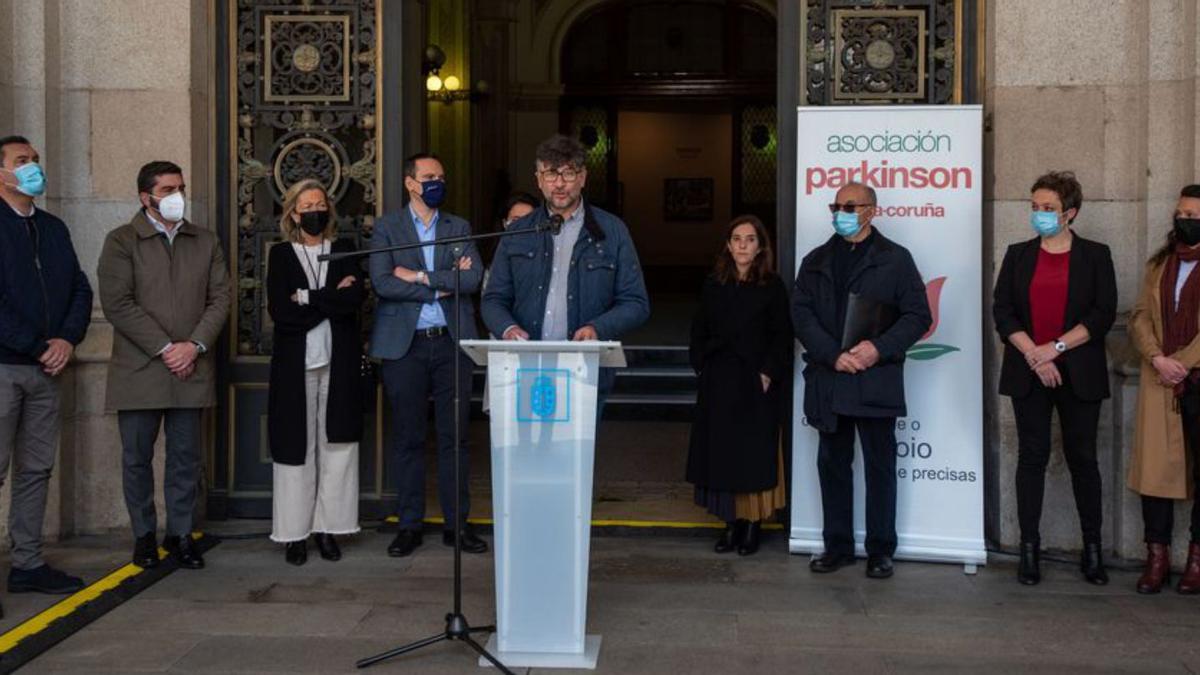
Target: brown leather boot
1158, 569
1189, 584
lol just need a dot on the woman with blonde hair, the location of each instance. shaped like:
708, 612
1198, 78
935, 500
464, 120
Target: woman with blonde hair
316, 360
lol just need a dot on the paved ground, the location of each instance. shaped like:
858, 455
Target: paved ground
663, 605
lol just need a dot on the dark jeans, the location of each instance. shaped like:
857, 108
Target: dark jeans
1158, 513
835, 456
139, 431
1079, 420
427, 369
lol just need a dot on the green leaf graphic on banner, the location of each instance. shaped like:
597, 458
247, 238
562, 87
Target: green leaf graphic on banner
928, 351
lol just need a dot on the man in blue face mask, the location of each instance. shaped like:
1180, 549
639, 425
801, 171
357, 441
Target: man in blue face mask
45, 307
856, 383
414, 335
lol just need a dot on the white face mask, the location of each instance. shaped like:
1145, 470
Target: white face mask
172, 207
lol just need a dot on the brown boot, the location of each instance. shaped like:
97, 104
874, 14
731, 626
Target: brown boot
1189, 584
1158, 569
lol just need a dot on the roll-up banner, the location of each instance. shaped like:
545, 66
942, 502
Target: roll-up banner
925, 163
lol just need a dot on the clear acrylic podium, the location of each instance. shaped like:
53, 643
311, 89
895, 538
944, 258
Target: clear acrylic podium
543, 429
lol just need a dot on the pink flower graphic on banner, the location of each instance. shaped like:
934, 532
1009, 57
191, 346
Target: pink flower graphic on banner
926, 351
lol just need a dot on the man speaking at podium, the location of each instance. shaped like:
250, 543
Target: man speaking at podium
577, 281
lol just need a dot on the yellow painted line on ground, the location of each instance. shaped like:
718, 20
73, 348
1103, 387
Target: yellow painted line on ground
679, 525
43, 620
68, 605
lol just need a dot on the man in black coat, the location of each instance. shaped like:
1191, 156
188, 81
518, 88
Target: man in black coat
859, 386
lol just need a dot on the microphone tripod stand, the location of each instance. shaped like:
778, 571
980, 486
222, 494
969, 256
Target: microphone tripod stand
457, 628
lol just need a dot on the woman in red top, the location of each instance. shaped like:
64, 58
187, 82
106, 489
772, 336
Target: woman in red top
1055, 299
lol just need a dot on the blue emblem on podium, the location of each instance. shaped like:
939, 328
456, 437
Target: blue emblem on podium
543, 395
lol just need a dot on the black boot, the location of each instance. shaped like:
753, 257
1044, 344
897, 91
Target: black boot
729, 538
1092, 565
749, 541
1029, 571
296, 552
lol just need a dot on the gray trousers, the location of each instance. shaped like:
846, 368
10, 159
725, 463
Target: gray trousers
139, 431
28, 441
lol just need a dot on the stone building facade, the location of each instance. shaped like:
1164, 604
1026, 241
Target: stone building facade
1107, 88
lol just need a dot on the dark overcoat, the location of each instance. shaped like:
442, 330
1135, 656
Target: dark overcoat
740, 331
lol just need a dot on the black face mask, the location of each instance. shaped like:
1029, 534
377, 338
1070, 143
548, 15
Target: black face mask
314, 222
1187, 230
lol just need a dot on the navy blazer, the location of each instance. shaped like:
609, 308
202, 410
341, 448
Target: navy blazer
399, 301
1091, 301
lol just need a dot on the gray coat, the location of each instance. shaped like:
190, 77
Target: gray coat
400, 302
153, 295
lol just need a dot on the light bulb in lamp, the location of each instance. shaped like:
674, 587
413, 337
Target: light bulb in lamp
433, 82
452, 83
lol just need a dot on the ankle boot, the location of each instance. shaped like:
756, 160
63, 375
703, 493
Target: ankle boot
1029, 570
1091, 563
1158, 569
749, 543
728, 540
1189, 584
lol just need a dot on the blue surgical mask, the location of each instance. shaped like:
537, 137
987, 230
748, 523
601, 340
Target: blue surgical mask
31, 180
1045, 223
846, 224
433, 192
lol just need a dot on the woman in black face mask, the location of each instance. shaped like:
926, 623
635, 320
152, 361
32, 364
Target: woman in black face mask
1166, 331
316, 359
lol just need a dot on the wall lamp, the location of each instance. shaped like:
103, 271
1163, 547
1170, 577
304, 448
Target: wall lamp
449, 88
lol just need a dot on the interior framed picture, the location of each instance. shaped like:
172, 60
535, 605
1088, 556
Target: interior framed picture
688, 199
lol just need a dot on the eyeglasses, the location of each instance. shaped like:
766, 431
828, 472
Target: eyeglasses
846, 208
567, 175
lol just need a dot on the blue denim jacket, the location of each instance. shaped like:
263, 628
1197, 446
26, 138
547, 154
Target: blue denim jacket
605, 285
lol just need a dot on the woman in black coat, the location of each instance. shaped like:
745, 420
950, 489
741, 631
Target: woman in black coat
316, 361
1054, 302
741, 346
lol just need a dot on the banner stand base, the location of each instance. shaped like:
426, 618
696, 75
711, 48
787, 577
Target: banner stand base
969, 557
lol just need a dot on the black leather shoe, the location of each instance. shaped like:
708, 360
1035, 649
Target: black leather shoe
880, 567
749, 542
44, 579
145, 551
1029, 569
734, 532
328, 546
405, 543
471, 543
296, 552
1092, 565
183, 551
830, 562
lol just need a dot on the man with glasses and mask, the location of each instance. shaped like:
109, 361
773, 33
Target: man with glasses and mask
45, 307
856, 382
164, 287
583, 282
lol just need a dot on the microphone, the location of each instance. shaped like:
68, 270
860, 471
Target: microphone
555, 224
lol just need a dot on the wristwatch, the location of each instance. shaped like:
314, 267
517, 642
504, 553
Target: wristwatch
420, 276
1060, 346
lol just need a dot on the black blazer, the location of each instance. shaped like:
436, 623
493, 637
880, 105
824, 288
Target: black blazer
286, 399
1091, 301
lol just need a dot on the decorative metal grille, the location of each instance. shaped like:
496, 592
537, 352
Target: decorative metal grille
874, 51
759, 146
304, 90
589, 124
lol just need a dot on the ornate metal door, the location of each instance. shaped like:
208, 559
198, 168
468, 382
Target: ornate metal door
301, 99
